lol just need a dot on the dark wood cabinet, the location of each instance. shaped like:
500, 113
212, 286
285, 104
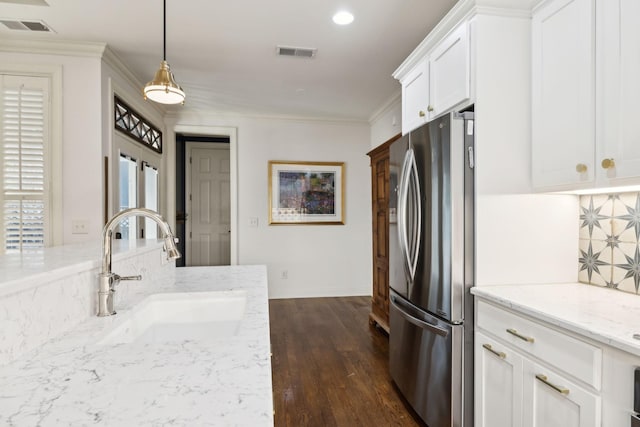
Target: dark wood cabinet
380, 234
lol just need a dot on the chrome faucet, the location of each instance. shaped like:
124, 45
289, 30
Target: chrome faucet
108, 280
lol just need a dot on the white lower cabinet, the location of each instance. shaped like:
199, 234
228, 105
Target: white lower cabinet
552, 400
498, 385
527, 375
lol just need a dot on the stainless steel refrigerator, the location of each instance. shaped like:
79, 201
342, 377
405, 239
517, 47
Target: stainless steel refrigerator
431, 269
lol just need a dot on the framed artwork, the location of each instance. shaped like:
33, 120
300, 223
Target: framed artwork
306, 192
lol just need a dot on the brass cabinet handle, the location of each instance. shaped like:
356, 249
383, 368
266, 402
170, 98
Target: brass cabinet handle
608, 163
500, 354
557, 388
421, 113
429, 108
522, 337
581, 168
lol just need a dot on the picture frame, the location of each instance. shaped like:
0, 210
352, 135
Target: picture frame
302, 192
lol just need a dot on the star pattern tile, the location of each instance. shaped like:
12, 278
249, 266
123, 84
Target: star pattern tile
612, 241
633, 217
590, 261
611, 254
591, 216
632, 267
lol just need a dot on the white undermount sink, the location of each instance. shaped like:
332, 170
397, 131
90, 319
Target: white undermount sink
171, 317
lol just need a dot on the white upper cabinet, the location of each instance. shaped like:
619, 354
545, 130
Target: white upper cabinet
415, 97
449, 72
563, 93
585, 94
618, 90
438, 82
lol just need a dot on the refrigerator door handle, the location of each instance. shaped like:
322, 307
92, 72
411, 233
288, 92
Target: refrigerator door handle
402, 208
420, 323
417, 217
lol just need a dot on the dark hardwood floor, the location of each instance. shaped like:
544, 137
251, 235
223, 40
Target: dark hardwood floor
330, 367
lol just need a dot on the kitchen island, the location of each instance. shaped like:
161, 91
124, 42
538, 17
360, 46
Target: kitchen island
72, 380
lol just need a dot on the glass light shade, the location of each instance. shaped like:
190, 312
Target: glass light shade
163, 88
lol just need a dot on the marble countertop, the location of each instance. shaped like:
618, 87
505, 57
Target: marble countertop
19, 271
605, 315
72, 381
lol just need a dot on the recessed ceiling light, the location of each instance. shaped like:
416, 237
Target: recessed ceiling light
343, 18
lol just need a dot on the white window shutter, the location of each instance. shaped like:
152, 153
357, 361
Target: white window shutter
24, 135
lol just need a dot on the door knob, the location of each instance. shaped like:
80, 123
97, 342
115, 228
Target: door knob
421, 113
608, 164
429, 108
581, 168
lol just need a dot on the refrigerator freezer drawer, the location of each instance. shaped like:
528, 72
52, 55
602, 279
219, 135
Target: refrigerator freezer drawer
426, 363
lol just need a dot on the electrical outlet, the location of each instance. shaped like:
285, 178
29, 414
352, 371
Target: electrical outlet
253, 222
79, 226
284, 274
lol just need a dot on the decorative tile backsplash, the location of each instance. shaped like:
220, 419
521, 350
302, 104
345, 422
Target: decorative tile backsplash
609, 241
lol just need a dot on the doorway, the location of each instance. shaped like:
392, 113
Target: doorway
203, 200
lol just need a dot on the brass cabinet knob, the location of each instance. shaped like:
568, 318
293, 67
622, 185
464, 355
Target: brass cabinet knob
581, 168
608, 164
421, 113
429, 108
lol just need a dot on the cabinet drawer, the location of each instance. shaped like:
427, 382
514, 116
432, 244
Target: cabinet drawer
575, 357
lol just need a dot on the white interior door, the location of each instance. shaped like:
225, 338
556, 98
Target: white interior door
208, 204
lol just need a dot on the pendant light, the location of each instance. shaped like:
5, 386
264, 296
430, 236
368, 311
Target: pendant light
163, 88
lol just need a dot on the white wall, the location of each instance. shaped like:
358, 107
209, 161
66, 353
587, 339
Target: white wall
521, 237
81, 137
527, 239
321, 260
387, 122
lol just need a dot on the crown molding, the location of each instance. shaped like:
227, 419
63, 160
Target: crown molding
71, 48
463, 10
53, 47
387, 106
113, 60
191, 115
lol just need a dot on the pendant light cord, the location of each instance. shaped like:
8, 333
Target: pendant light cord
164, 30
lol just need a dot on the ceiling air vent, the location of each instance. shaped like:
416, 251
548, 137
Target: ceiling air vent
302, 52
39, 26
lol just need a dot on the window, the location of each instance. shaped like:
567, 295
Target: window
136, 170
132, 124
24, 147
128, 187
151, 190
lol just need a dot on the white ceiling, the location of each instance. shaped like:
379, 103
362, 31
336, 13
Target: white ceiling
223, 53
